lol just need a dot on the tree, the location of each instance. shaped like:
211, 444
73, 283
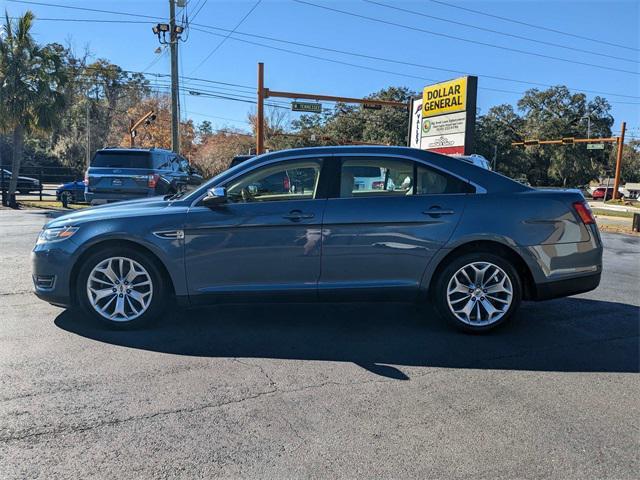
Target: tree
630, 165
158, 132
495, 132
31, 82
557, 113
345, 124
218, 149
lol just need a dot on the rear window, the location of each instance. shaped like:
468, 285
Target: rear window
122, 160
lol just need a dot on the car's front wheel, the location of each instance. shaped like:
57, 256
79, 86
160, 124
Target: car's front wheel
478, 291
66, 197
121, 287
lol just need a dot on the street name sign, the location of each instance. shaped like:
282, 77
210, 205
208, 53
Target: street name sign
306, 107
595, 146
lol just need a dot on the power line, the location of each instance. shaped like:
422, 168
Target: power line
540, 27
498, 32
475, 42
309, 46
401, 62
85, 9
217, 47
352, 64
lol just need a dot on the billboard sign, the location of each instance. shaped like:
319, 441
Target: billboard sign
443, 119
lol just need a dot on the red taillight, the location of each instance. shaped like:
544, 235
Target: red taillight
286, 184
584, 212
152, 180
377, 185
86, 178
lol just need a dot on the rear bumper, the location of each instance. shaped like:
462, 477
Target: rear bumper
96, 198
567, 287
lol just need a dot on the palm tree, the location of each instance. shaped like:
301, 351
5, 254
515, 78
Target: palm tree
31, 87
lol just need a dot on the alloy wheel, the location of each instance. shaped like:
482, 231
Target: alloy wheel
479, 294
119, 289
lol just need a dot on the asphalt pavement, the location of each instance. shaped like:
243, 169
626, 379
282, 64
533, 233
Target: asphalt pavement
320, 390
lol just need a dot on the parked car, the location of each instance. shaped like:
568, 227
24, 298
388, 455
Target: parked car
471, 242
117, 174
71, 192
599, 193
25, 184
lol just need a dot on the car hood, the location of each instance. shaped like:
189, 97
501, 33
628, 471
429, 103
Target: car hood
133, 208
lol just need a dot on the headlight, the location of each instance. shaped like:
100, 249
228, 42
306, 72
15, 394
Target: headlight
55, 234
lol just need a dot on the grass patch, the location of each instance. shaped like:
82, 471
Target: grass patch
611, 213
50, 204
624, 203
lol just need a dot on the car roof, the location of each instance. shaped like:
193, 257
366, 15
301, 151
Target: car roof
125, 150
491, 181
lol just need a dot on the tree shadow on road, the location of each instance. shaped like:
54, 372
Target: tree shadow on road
566, 335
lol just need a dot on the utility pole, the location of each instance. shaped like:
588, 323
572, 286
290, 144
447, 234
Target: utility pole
495, 156
88, 153
616, 181
175, 31
175, 112
260, 111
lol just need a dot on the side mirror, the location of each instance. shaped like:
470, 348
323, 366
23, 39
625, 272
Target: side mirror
215, 197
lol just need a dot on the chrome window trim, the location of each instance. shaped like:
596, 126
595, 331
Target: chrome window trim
479, 189
268, 162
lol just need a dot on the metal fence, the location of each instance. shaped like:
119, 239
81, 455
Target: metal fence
48, 178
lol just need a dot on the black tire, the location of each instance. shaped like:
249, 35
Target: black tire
68, 195
159, 285
441, 299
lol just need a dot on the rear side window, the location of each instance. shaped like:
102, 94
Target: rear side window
433, 182
375, 176
122, 160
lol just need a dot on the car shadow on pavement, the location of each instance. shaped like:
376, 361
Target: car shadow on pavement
565, 335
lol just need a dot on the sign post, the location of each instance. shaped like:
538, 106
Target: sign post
443, 119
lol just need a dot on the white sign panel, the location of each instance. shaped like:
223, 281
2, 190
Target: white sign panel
444, 125
415, 122
442, 141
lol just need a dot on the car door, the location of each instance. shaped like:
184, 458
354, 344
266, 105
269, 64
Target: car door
382, 237
265, 239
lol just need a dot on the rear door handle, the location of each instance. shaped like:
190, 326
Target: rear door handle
436, 211
297, 215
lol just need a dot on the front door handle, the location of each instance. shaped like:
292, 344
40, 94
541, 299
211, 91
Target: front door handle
436, 211
297, 215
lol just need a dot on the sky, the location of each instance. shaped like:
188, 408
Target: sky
424, 49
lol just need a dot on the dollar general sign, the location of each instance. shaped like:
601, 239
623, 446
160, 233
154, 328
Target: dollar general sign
443, 119
445, 97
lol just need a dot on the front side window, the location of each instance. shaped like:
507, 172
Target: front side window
376, 176
291, 180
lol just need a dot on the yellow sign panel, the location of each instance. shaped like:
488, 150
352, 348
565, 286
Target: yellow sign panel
445, 97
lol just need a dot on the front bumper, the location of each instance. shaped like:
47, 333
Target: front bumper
51, 268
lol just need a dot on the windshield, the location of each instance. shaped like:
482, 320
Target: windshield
124, 159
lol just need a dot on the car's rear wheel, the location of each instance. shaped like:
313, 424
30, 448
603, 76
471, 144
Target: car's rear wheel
121, 287
478, 291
